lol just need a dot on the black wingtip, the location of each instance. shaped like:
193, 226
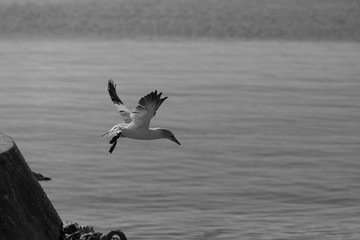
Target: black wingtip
163, 99
154, 98
112, 92
111, 83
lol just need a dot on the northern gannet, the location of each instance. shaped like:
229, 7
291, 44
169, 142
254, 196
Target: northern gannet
136, 123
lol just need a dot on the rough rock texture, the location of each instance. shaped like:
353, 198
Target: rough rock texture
25, 210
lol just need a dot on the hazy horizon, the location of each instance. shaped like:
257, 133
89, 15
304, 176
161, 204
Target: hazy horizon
314, 20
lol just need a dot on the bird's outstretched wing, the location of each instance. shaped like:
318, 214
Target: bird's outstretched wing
123, 110
146, 109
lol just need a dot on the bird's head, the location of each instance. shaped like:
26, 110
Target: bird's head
169, 135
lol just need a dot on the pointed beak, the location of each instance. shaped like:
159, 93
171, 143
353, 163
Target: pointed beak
172, 138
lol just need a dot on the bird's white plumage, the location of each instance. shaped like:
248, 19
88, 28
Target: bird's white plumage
136, 123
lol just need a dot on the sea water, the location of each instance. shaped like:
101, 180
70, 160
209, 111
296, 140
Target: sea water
270, 135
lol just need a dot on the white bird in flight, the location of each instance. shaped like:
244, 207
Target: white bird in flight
136, 123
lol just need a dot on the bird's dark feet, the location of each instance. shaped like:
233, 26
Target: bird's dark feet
113, 141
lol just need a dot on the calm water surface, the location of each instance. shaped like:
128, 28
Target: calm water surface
270, 135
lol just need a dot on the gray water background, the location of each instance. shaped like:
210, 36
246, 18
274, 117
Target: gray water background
269, 130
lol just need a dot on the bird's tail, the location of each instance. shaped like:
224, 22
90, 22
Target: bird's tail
106, 134
112, 132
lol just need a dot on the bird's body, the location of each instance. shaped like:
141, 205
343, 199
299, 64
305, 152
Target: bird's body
136, 124
141, 134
